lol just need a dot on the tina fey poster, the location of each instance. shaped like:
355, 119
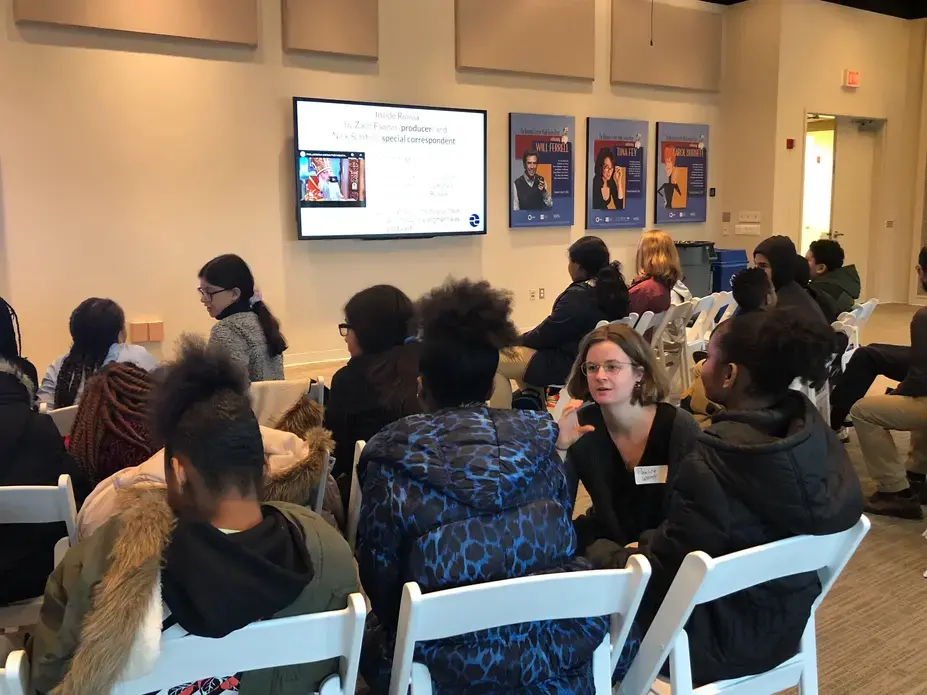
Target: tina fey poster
541, 170
682, 173
616, 195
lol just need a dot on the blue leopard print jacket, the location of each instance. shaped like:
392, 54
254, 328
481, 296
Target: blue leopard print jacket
464, 496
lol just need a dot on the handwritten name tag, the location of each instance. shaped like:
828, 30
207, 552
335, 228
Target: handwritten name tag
650, 475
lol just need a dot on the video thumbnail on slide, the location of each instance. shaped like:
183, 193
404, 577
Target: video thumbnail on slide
332, 179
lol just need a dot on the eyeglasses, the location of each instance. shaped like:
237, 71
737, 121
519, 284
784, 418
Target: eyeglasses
611, 367
206, 294
343, 329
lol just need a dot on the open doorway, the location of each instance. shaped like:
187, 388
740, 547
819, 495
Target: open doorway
842, 156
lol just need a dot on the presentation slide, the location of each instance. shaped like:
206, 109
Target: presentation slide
380, 171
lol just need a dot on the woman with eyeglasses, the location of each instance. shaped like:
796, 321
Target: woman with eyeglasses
626, 444
244, 325
379, 384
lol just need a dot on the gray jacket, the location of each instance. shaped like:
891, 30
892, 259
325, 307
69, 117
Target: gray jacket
241, 334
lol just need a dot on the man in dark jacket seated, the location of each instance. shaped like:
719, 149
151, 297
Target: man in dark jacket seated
465, 494
834, 286
767, 469
31, 453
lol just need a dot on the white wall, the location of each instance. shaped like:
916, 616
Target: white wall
126, 162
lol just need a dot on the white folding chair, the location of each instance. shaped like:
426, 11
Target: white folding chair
849, 330
271, 399
14, 676
646, 320
442, 614
323, 482
630, 320
354, 501
702, 579
697, 335
317, 390
677, 317
37, 504
301, 639
64, 419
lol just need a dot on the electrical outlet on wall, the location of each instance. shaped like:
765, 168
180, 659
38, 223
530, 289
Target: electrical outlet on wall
749, 217
541, 293
531, 295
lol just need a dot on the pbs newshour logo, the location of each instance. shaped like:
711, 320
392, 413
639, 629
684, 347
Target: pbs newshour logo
474, 220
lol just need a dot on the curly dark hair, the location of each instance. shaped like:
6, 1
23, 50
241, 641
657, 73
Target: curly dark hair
776, 347
828, 253
201, 410
464, 326
95, 325
751, 287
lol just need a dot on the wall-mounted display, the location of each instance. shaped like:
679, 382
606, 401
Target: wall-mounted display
616, 180
681, 173
541, 170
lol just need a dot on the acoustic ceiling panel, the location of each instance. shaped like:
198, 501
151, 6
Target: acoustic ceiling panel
346, 27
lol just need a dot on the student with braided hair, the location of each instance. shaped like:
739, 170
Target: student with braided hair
112, 431
11, 343
98, 331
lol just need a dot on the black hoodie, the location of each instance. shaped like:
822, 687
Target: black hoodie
755, 477
31, 453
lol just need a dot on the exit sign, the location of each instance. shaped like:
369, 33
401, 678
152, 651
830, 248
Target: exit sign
851, 78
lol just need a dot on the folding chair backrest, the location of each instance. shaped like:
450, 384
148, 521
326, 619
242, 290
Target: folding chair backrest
64, 419
317, 390
865, 313
677, 316
704, 320
267, 644
354, 501
702, 579
459, 611
646, 320
629, 320
319, 502
40, 504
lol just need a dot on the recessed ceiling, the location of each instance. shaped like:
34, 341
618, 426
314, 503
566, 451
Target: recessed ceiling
908, 9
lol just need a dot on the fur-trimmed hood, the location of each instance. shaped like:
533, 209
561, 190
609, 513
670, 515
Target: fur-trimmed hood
17, 393
294, 468
13, 370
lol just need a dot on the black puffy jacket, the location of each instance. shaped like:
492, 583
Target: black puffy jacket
576, 312
755, 477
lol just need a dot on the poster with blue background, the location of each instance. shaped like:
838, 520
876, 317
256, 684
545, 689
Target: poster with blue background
541, 170
616, 177
681, 173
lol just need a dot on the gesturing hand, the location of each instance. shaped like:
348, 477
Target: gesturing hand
570, 429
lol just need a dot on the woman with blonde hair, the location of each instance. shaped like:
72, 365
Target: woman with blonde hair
658, 271
626, 443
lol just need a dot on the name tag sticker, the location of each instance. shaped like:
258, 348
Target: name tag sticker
650, 475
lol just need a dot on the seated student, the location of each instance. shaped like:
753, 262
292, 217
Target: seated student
902, 486
295, 452
111, 430
31, 453
98, 329
207, 556
767, 469
597, 293
753, 291
834, 286
379, 384
244, 326
466, 482
778, 257
628, 429
11, 343
658, 271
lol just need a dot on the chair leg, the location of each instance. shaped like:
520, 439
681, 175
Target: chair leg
808, 683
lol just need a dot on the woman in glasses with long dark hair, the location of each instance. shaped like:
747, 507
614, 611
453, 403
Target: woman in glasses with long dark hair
379, 384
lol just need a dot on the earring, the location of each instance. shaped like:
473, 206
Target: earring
638, 393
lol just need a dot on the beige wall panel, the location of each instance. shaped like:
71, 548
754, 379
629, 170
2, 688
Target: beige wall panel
346, 27
539, 37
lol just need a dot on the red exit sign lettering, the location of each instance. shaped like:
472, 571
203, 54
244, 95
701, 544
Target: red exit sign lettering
851, 78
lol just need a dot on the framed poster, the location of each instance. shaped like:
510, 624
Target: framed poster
682, 173
540, 170
616, 191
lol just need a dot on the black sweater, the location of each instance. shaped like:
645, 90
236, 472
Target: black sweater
621, 510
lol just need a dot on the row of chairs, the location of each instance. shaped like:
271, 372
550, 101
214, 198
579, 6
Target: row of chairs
442, 614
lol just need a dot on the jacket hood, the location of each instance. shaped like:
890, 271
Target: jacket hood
787, 465
294, 467
845, 278
486, 459
17, 393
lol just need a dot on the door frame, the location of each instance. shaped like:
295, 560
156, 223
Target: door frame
872, 276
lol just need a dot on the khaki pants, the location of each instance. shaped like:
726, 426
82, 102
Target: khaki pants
512, 365
873, 418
